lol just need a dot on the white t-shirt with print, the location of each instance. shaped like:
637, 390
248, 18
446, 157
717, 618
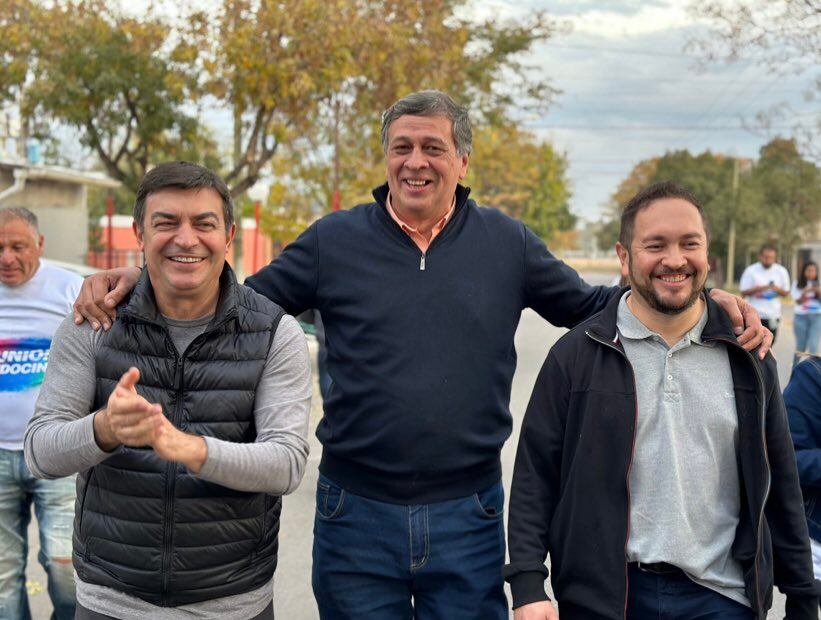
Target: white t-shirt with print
766, 303
29, 316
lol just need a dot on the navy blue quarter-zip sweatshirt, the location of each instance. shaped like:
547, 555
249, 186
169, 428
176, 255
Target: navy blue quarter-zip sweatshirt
420, 346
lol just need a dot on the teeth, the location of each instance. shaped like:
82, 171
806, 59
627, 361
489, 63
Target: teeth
186, 259
415, 182
676, 278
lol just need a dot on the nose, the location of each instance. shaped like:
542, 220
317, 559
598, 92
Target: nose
416, 160
674, 258
6, 256
186, 236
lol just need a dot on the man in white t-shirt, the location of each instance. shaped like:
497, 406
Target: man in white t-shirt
763, 284
34, 299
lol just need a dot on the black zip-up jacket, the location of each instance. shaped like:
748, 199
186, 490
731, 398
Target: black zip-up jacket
570, 495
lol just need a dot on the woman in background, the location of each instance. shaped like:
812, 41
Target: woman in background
807, 322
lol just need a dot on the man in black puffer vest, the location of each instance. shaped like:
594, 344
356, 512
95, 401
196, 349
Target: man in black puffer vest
186, 420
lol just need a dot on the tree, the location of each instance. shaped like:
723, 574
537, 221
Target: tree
119, 80
789, 188
782, 35
526, 179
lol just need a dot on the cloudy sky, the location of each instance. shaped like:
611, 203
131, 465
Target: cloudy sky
630, 90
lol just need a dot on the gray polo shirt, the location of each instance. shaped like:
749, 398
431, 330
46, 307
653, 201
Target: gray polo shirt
685, 493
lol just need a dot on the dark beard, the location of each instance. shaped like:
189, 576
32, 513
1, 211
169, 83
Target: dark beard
649, 295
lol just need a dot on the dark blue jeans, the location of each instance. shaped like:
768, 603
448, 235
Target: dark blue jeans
387, 561
676, 597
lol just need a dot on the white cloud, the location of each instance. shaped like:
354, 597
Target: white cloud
614, 24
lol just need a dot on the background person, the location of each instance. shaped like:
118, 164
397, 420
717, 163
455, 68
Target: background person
35, 297
806, 293
763, 284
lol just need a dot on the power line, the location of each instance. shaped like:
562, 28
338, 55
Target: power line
618, 50
586, 127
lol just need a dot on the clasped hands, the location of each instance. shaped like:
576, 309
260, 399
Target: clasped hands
130, 420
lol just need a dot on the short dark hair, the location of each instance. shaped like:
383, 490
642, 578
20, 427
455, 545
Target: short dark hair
768, 246
648, 195
8, 214
182, 175
432, 103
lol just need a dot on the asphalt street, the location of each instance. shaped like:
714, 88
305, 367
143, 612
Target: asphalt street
293, 599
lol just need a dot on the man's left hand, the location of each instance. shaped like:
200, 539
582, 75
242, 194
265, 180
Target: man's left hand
750, 333
171, 444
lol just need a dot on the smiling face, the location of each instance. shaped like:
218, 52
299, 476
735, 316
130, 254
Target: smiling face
184, 239
423, 166
667, 259
20, 251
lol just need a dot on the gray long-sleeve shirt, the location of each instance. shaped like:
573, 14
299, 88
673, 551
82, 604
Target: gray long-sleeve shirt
60, 441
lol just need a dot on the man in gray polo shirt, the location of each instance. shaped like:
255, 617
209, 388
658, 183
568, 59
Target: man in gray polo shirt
654, 462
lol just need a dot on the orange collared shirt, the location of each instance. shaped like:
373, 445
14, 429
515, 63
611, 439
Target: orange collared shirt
418, 238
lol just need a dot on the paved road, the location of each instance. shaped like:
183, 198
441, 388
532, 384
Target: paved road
293, 598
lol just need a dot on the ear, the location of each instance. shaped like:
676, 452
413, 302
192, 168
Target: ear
40, 240
229, 238
138, 233
624, 259
463, 169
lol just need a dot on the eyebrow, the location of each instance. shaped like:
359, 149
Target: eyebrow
692, 235
161, 215
424, 139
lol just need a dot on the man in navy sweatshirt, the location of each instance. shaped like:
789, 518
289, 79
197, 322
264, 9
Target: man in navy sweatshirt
420, 292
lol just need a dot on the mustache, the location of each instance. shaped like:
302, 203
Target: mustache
674, 272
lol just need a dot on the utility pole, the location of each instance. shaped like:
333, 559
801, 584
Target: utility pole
236, 21
336, 199
731, 234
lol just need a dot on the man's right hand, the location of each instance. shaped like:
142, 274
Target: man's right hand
542, 610
100, 294
128, 419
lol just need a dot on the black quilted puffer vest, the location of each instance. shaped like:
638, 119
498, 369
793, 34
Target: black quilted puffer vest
147, 527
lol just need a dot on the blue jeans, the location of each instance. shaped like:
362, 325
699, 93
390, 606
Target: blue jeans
676, 597
393, 562
54, 506
807, 328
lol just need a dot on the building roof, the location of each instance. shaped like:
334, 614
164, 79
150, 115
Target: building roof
61, 174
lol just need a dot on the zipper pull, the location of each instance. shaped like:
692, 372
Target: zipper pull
422, 263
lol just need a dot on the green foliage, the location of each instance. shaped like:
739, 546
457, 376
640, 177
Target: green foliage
789, 191
526, 179
112, 77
